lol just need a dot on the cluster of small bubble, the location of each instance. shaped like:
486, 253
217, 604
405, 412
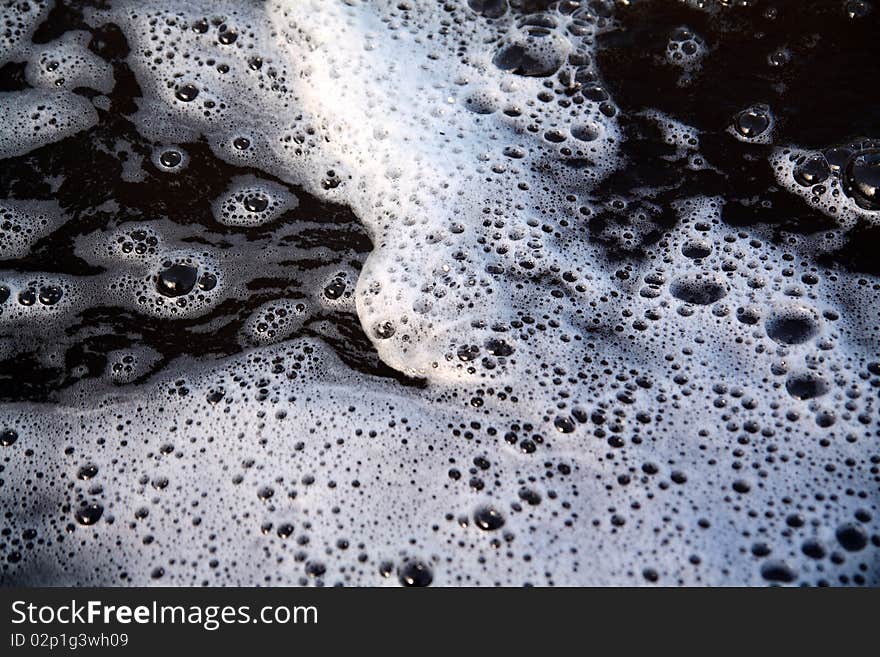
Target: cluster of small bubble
685, 49
251, 202
180, 282
275, 321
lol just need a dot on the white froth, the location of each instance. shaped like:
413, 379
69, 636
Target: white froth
68, 64
36, 117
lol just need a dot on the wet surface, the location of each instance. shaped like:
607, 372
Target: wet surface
603, 313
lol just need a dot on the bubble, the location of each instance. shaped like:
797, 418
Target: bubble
488, 518
255, 202
564, 424
700, 289
498, 347
793, 325
837, 158
8, 437
851, 537
27, 297
761, 549
384, 330
50, 295
187, 93
779, 58
805, 385
251, 202
415, 573
227, 37
335, 288
856, 9
778, 571
89, 514
586, 131
170, 159
753, 123
812, 171
535, 50
814, 549
489, 8
861, 179
87, 472
176, 280
741, 486
207, 281
697, 248
315, 569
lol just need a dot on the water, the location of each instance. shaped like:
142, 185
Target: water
419, 293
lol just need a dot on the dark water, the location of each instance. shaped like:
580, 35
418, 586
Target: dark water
821, 96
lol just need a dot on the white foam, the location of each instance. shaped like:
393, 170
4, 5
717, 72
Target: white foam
23, 223
68, 64
35, 118
19, 21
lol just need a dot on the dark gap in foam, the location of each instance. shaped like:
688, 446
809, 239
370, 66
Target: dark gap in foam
821, 98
